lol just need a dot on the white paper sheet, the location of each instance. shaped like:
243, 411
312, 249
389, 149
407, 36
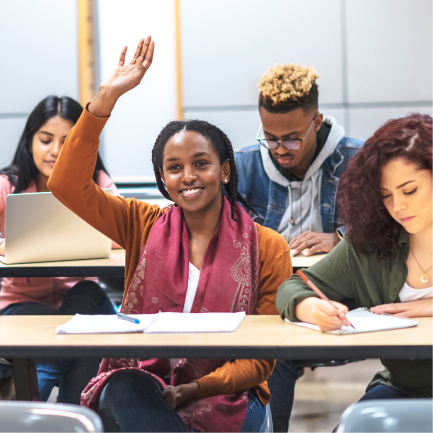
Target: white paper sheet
153, 323
365, 321
197, 322
104, 324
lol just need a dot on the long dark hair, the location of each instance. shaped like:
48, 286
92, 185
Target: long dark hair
22, 172
369, 225
220, 142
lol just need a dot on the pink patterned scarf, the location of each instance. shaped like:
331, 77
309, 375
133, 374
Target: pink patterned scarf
229, 282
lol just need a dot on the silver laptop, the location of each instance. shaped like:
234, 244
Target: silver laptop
41, 229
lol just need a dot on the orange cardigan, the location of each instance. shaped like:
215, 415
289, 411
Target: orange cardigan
128, 222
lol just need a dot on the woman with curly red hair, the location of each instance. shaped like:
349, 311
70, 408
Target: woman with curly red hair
385, 260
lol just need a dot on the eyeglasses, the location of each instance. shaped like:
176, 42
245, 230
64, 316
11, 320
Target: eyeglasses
293, 143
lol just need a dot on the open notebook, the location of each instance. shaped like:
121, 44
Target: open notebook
153, 323
365, 321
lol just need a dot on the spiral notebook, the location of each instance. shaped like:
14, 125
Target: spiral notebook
365, 321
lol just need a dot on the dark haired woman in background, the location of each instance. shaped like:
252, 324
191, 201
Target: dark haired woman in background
39, 146
385, 261
204, 254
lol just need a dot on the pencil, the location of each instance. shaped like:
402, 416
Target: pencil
319, 293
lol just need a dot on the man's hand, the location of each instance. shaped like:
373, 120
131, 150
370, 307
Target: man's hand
176, 395
123, 78
420, 308
313, 242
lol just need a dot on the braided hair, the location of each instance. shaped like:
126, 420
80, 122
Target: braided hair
223, 148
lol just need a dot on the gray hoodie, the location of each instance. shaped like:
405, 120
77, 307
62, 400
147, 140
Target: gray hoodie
303, 198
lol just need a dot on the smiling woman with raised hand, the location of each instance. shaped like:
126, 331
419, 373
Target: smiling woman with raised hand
385, 260
202, 254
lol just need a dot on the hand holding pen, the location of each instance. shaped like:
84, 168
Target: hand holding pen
340, 314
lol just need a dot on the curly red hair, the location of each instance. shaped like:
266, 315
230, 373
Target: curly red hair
368, 223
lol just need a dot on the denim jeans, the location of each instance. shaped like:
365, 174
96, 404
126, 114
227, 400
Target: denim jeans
282, 387
382, 391
132, 401
71, 375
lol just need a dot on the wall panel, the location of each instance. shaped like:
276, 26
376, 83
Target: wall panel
228, 45
389, 50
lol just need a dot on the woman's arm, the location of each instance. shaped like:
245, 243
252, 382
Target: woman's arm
71, 181
337, 277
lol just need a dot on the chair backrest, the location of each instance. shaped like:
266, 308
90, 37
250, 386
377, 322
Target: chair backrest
23, 416
396, 415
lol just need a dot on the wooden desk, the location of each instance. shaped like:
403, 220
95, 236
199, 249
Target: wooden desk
113, 266
25, 337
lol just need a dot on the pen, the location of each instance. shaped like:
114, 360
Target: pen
318, 291
126, 317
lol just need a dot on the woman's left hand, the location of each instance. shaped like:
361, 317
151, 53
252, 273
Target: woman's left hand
176, 395
420, 308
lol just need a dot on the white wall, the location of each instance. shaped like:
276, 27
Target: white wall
139, 115
374, 58
39, 52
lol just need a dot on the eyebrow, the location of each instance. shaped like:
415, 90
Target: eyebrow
196, 155
49, 133
402, 185
283, 136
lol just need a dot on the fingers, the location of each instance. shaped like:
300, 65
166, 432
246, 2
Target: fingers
149, 56
303, 241
299, 239
389, 308
330, 317
137, 51
146, 56
122, 56
318, 248
143, 53
168, 394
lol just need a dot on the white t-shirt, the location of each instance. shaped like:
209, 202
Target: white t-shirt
408, 293
193, 277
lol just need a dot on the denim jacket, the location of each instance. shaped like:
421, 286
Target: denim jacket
269, 198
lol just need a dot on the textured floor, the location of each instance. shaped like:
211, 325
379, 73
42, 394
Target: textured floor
322, 396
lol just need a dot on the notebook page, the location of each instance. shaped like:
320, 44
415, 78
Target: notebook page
365, 321
196, 322
104, 324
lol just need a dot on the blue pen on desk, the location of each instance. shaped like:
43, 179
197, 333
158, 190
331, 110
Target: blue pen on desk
126, 317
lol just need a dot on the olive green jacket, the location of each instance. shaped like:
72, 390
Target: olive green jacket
346, 272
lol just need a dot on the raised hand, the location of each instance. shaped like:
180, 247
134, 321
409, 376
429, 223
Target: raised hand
126, 77
123, 78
